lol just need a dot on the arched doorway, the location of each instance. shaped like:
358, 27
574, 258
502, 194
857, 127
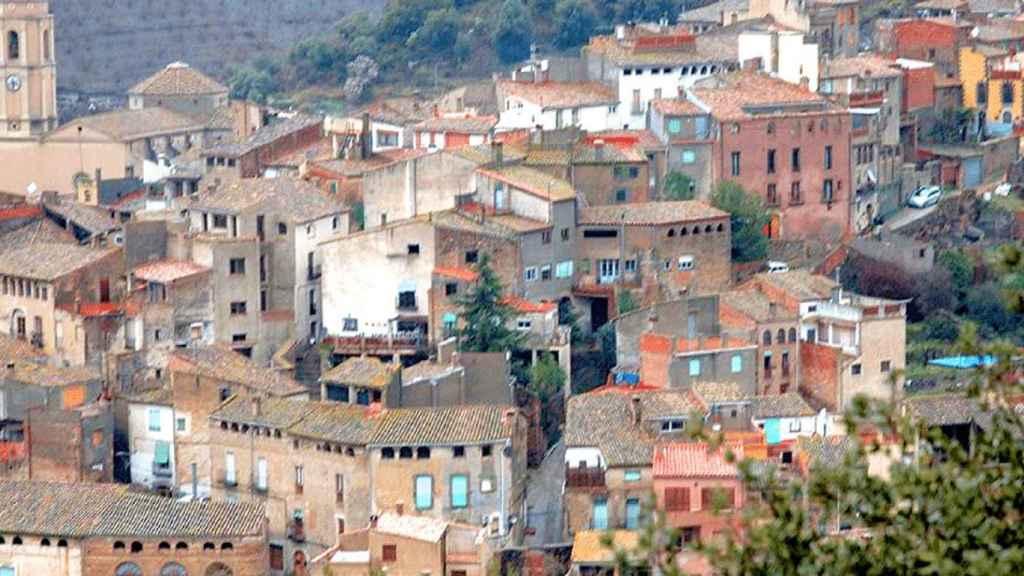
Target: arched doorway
173, 569
19, 324
218, 569
128, 569
299, 563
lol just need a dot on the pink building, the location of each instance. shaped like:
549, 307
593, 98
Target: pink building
698, 489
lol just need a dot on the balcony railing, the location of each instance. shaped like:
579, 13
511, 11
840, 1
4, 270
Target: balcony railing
296, 531
584, 478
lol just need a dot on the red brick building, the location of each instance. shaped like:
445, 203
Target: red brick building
786, 144
932, 40
699, 490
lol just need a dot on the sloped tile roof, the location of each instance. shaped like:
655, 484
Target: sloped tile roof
695, 460
532, 181
943, 409
272, 412
827, 451
461, 125
291, 198
336, 422
713, 12
15, 349
675, 106
559, 94
167, 271
264, 136
866, 65
41, 231
37, 374
46, 261
800, 284
755, 306
524, 306
730, 96
366, 371
707, 48
416, 527
127, 125
86, 509
719, 392
788, 405
649, 213
445, 426
178, 79
588, 546
222, 363
93, 220
457, 273
427, 370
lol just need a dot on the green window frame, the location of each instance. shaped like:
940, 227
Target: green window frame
154, 419
631, 476
675, 125
459, 489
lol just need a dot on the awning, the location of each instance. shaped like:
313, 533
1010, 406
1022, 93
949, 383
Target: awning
162, 454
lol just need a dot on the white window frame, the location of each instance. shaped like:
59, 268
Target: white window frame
530, 274
230, 471
261, 474
524, 324
686, 263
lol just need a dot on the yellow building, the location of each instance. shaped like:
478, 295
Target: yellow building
992, 81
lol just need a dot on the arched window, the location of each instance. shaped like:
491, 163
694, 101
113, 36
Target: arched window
720, 227
781, 336
16, 541
173, 569
981, 93
696, 230
44, 542
13, 45
62, 543
118, 545
164, 546
46, 45
707, 229
671, 232
1007, 94
684, 231
128, 569
209, 546
227, 546
767, 338
422, 452
792, 334
181, 546
136, 547
405, 452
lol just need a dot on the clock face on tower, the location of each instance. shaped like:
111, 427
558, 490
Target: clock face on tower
13, 83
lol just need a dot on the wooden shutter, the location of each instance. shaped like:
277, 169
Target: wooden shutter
677, 499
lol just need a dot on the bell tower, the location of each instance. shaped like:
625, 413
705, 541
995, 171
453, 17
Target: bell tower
28, 70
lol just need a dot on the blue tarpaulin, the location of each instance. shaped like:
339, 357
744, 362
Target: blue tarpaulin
963, 362
631, 378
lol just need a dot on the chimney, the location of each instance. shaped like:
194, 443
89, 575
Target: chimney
256, 406
367, 138
599, 149
637, 409
400, 507
498, 155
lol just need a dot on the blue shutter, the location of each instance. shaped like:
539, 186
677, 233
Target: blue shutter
632, 514
460, 491
424, 492
599, 518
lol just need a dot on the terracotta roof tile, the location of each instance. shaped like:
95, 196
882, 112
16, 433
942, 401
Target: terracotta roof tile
456, 272
649, 213
460, 425
93, 220
222, 363
525, 306
167, 271
755, 306
559, 94
788, 405
588, 546
676, 107
297, 200
266, 135
415, 527
714, 393
461, 125
178, 79
336, 422
800, 284
271, 412
532, 181
645, 139
44, 261
705, 48
695, 460
864, 65
736, 95
126, 125
365, 371
686, 345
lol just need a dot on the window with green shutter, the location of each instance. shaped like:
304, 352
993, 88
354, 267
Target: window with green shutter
154, 420
424, 493
460, 490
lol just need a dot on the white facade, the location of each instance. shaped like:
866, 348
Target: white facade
639, 85
783, 54
794, 427
591, 456
151, 431
518, 113
434, 141
385, 136
307, 296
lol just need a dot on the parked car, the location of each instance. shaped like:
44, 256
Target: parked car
925, 196
777, 267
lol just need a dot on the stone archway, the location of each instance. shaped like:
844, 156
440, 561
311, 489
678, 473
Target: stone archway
19, 323
173, 569
128, 569
218, 569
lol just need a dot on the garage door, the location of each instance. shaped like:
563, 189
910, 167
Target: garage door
972, 172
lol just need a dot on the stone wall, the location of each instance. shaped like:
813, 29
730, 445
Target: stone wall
107, 46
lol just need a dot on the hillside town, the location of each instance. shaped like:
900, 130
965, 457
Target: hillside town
512, 326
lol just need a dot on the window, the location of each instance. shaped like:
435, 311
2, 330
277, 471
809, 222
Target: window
792, 334
404, 453
530, 274
97, 437
771, 161
424, 493
735, 163
13, 45
422, 453
675, 125
486, 451
154, 419
261, 474
276, 557
981, 93
1007, 93
694, 367
282, 228
339, 487
688, 156
472, 256
717, 498
236, 266
389, 553
677, 499
736, 363
828, 157
350, 325
773, 195
460, 490
565, 234
599, 514
631, 476
46, 45
451, 288
855, 369
630, 266
413, 249
230, 474
300, 479
826, 192
387, 453
685, 263
795, 159
621, 196
220, 221
632, 513
238, 308
564, 269
795, 196
794, 425
545, 272
180, 425
545, 237
407, 300
886, 366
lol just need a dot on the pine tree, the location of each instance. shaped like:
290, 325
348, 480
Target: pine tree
485, 316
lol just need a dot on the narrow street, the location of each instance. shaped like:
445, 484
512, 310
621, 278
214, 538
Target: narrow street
544, 498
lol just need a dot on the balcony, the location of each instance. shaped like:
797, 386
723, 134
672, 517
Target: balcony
296, 531
584, 478
406, 302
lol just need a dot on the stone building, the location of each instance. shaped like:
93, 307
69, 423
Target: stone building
259, 238
685, 129
256, 155
602, 173
83, 529
152, 422
359, 380
181, 88
774, 329
201, 379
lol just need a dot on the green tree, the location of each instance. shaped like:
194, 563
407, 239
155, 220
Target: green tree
647, 10
485, 316
547, 382
357, 33
439, 33
318, 62
941, 510
403, 17
253, 83
951, 127
960, 266
748, 217
513, 35
575, 21
678, 186
985, 305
